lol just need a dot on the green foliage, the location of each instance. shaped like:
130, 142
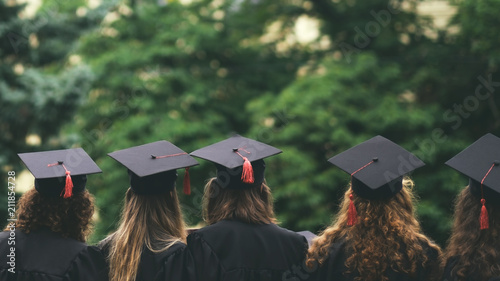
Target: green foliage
177, 73
194, 74
476, 36
39, 91
343, 107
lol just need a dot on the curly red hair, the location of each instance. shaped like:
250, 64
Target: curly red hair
70, 217
395, 238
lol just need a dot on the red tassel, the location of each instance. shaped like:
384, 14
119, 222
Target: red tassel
68, 188
187, 182
247, 174
352, 214
484, 219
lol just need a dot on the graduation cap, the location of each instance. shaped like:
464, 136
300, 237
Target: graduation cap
239, 161
377, 167
152, 167
60, 172
481, 163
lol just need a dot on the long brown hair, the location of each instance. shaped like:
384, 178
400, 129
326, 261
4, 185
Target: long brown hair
154, 221
70, 217
477, 251
387, 235
251, 205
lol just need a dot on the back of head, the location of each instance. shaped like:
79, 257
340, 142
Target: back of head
59, 200
70, 217
250, 205
154, 221
474, 244
386, 235
477, 250
152, 215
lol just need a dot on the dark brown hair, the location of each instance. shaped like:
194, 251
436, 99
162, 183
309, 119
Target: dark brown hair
70, 217
387, 235
477, 251
250, 205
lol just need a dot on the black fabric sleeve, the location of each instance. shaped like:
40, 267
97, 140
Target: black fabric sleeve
179, 266
333, 267
89, 264
206, 263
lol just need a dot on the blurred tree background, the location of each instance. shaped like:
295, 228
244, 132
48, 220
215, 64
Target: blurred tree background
311, 77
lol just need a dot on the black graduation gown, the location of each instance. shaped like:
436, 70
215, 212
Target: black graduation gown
174, 264
450, 264
44, 255
334, 267
235, 251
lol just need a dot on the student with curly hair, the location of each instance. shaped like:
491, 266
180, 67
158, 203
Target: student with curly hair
242, 241
149, 243
473, 252
375, 236
47, 242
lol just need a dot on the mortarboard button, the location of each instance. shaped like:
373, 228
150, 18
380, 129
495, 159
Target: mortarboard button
475, 161
60, 172
152, 167
376, 167
239, 161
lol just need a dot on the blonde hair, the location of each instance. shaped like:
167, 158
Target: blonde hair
154, 221
374, 243
250, 205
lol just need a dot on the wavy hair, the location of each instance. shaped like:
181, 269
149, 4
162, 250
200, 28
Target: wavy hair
251, 205
154, 221
395, 238
70, 217
477, 251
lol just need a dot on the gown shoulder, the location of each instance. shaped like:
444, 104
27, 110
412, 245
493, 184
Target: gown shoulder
172, 264
45, 255
233, 250
334, 268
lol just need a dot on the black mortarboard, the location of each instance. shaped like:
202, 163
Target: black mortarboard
239, 161
152, 167
377, 167
475, 162
481, 163
60, 172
